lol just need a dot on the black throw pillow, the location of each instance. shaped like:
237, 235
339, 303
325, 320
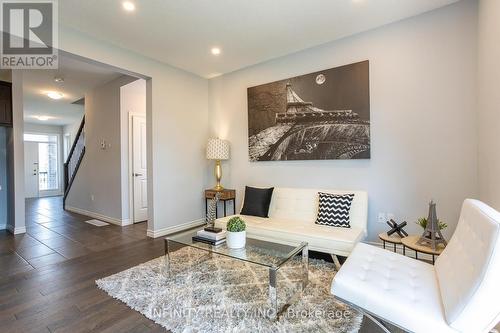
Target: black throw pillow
257, 201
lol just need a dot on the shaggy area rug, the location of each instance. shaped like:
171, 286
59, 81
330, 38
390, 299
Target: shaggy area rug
220, 294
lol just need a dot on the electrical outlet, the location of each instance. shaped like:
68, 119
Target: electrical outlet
381, 218
391, 216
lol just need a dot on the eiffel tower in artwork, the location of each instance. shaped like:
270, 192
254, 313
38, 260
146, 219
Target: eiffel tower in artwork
432, 234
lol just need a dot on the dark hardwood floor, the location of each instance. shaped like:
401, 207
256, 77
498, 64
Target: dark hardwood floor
53, 236
47, 277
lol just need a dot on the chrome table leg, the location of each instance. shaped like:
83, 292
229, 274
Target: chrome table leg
273, 296
167, 260
305, 267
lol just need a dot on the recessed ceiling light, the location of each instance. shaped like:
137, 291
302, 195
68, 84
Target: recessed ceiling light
128, 6
42, 118
215, 51
55, 95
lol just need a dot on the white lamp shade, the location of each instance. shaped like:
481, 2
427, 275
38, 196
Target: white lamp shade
217, 149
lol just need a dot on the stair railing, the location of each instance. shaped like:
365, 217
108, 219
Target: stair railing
74, 160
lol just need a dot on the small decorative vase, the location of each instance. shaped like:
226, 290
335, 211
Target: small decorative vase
236, 240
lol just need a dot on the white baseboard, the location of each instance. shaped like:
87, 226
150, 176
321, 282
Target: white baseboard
16, 231
176, 228
399, 249
112, 220
50, 194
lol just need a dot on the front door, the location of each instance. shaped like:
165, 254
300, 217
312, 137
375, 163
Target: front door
31, 169
139, 168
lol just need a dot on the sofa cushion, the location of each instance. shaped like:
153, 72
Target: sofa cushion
292, 216
334, 209
283, 231
394, 287
256, 202
301, 205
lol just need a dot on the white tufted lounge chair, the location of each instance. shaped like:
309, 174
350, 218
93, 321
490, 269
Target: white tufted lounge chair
460, 293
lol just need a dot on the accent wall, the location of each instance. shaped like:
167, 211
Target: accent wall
423, 118
489, 102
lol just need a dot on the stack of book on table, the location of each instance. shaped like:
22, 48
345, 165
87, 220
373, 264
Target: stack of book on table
211, 237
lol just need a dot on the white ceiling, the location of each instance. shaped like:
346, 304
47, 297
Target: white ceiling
182, 32
79, 78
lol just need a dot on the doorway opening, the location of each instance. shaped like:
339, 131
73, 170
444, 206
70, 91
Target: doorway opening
133, 110
139, 168
42, 159
80, 145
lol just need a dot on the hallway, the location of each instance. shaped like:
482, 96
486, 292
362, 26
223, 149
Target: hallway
54, 235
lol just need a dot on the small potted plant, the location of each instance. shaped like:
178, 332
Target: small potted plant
236, 235
423, 223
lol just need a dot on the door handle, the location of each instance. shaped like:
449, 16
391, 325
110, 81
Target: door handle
137, 174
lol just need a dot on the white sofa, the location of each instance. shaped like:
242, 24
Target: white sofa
460, 293
292, 216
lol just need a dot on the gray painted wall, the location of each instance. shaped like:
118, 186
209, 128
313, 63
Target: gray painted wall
72, 130
404, 57
15, 159
5, 75
489, 102
3, 178
423, 101
99, 174
177, 117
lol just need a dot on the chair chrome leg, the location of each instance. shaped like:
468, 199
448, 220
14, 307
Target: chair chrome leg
368, 315
336, 261
377, 322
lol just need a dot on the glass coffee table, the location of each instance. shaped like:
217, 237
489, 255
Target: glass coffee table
277, 255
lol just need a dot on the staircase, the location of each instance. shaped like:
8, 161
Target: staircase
74, 160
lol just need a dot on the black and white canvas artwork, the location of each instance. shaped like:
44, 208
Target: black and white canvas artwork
319, 116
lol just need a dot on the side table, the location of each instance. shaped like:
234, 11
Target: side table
411, 243
225, 195
392, 239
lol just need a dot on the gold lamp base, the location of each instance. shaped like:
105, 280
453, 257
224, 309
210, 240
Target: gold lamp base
218, 176
218, 188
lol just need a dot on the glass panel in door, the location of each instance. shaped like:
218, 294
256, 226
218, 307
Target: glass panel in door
47, 174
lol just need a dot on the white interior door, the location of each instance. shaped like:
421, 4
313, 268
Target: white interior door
139, 168
31, 169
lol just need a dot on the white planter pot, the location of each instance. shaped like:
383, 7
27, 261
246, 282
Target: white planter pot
236, 240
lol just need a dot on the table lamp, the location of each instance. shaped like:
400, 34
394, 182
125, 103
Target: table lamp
218, 149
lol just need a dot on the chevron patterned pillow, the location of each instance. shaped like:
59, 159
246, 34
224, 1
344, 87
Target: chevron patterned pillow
334, 209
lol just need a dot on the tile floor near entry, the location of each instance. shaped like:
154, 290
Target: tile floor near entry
54, 235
